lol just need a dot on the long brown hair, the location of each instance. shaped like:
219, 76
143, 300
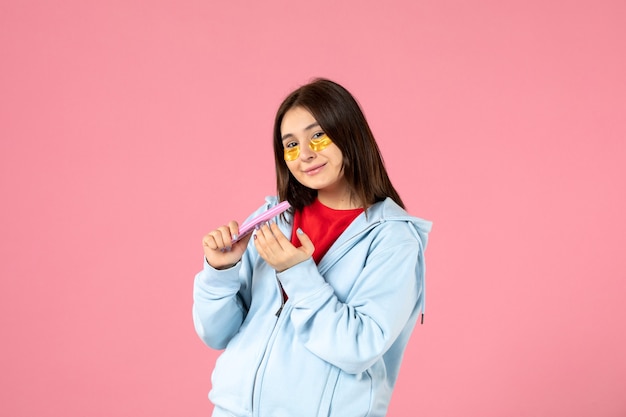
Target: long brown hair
341, 118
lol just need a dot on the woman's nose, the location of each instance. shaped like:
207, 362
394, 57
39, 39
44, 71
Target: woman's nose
306, 153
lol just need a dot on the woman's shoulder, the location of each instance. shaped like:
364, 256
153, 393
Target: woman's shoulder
394, 223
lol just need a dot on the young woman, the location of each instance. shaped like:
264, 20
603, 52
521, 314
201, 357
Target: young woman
315, 310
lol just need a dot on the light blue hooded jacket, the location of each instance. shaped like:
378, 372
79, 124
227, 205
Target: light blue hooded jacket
335, 347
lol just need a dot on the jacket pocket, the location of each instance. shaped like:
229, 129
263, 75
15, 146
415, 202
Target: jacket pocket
327, 396
352, 395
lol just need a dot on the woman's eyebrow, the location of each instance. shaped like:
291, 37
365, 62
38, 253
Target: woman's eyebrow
312, 126
309, 127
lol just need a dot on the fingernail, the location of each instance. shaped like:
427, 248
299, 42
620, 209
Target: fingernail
234, 236
299, 231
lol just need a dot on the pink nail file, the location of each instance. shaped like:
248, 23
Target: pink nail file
249, 226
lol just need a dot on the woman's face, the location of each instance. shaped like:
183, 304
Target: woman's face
321, 170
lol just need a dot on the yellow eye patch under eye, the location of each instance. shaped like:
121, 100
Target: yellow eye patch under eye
320, 143
291, 154
316, 145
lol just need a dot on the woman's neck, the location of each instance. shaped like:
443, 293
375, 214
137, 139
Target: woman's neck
342, 200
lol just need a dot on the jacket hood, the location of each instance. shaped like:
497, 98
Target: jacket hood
386, 210
389, 210
380, 212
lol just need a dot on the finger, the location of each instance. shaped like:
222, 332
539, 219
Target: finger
208, 241
266, 242
215, 240
307, 245
280, 237
225, 236
271, 239
233, 227
262, 236
259, 243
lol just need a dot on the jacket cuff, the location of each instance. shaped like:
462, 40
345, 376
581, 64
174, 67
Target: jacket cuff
302, 280
220, 281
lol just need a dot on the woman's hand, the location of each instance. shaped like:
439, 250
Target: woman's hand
219, 250
278, 251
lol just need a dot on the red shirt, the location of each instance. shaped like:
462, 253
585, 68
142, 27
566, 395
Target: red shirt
322, 225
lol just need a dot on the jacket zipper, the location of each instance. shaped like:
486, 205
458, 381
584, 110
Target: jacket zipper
282, 298
268, 348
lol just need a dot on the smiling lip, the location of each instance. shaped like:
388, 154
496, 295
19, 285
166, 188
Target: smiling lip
314, 170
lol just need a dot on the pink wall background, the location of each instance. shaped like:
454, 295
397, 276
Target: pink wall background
128, 129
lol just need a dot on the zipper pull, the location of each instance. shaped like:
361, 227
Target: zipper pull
422, 319
281, 293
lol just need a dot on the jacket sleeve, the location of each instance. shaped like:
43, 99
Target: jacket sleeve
354, 334
221, 298
218, 305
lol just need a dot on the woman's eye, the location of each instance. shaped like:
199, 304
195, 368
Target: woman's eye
291, 145
320, 143
318, 135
